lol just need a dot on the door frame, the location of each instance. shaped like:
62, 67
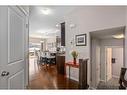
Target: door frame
90, 41
91, 70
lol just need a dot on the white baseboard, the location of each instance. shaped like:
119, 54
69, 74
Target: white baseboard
92, 88
114, 76
102, 80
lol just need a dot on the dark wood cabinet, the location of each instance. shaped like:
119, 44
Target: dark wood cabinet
63, 34
60, 62
83, 74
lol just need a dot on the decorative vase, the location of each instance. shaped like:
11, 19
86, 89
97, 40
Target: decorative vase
74, 61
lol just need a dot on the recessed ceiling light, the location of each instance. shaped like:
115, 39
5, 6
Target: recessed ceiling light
46, 11
119, 36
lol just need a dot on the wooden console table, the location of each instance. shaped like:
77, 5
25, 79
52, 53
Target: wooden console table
82, 66
71, 64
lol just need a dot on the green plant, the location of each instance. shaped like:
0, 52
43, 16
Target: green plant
74, 54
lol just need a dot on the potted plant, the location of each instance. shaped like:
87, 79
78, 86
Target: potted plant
74, 55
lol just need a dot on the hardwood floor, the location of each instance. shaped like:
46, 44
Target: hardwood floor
42, 78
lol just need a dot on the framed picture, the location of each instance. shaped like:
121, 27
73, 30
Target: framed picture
80, 40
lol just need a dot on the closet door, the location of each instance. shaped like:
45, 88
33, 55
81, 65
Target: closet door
12, 48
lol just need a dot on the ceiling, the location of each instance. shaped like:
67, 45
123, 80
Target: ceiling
107, 33
42, 25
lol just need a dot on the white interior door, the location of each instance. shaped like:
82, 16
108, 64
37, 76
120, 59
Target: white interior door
95, 62
12, 48
108, 63
97, 65
117, 54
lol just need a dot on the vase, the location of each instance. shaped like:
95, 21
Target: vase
74, 61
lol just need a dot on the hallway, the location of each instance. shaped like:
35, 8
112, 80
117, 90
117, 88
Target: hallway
113, 83
48, 78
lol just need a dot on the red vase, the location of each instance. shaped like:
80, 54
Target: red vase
74, 61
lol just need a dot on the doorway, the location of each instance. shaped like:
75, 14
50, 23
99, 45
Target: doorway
47, 45
107, 57
114, 62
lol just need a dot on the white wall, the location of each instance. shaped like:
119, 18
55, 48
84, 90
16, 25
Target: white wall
89, 19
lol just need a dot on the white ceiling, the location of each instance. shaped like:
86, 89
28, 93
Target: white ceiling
107, 33
47, 23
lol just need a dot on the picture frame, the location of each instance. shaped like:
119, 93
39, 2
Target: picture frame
81, 40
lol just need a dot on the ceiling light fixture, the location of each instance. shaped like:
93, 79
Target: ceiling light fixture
119, 36
57, 25
46, 11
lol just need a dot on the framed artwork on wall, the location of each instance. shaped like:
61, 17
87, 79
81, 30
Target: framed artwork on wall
80, 40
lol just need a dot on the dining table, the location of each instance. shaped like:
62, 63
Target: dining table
48, 59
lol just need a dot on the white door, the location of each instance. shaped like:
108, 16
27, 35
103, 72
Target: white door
12, 48
109, 63
117, 54
97, 65
95, 62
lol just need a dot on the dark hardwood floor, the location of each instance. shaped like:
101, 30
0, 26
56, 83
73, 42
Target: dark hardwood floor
47, 78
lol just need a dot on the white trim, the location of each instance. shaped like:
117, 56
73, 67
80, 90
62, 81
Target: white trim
113, 46
92, 88
27, 51
114, 76
26, 37
102, 80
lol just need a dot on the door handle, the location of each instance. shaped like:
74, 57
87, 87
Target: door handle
4, 73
